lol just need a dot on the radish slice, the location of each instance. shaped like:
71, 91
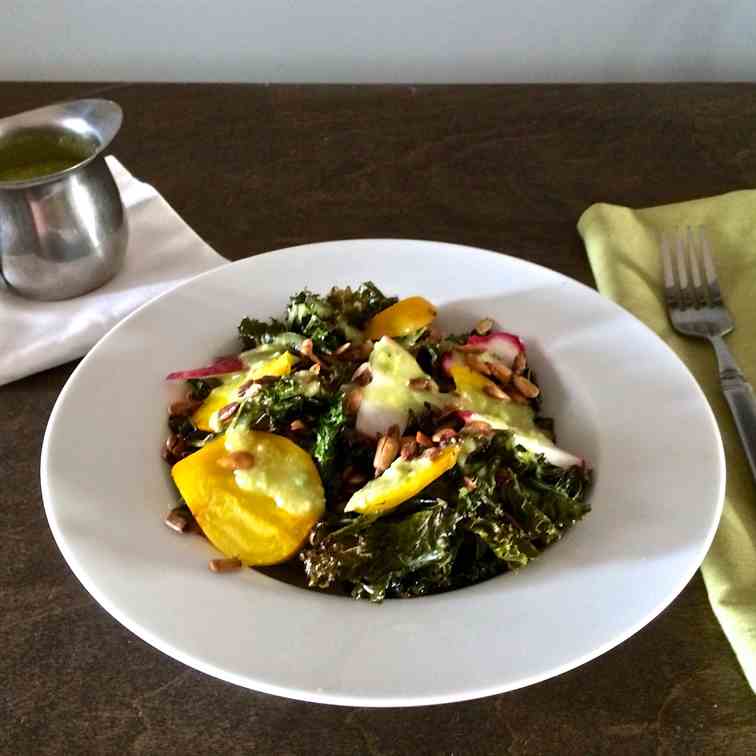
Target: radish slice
222, 366
504, 346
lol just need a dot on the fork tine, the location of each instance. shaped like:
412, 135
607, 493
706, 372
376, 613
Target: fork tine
671, 289
686, 295
695, 270
711, 274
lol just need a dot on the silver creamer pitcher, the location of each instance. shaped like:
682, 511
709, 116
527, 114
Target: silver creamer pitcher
63, 232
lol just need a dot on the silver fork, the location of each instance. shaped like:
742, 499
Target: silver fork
695, 307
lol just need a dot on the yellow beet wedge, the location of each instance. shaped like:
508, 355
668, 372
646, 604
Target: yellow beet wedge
226, 393
403, 480
261, 515
401, 319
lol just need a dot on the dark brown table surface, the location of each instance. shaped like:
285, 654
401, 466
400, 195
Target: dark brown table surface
254, 168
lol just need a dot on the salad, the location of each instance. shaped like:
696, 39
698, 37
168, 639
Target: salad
384, 458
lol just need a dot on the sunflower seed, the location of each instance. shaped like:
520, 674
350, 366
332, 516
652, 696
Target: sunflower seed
227, 412
492, 390
387, 450
525, 387
225, 565
500, 371
518, 398
477, 428
353, 400
423, 440
363, 375
475, 363
178, 521
520, 362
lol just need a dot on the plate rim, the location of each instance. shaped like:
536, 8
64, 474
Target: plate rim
313, 695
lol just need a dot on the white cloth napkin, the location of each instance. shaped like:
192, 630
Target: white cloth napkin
163, 251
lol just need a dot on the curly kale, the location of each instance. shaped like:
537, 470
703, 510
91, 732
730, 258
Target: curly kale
359, 305
254, 333
330, 426
312, 316
276, 404
379, 557
499, 508
329, 321
200, 388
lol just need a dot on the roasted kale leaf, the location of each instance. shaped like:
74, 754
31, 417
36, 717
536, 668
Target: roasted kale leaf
254, 333
377, 557
500, 508
276, 404
327, 432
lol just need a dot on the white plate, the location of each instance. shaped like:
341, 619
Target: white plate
619, 395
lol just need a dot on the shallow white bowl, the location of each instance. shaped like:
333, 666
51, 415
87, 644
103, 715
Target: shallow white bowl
620, 397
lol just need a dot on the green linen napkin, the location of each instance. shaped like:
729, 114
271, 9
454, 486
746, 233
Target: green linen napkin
623, 248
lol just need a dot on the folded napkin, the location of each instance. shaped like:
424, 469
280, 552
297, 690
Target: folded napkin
623, 248
163, 251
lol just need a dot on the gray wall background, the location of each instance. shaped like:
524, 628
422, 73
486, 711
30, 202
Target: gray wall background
378, 41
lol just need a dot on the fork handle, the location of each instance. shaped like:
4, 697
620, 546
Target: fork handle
740, 397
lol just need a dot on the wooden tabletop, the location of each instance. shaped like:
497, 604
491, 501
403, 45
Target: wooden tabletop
254, 168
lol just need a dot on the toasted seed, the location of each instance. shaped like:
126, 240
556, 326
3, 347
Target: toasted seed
297, 425
387, 450
423, 440
238, 460
174, 444
353, 400
177, 520
482, 327
244, 387
225, 565
475, 363
444, 434
363, 375
492, 390
500, 371
478, 428
520, 362
308, 350
342, 349
525, 387
518, 398
470, 484
183, 407
227, 412
408, 447
420, 384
